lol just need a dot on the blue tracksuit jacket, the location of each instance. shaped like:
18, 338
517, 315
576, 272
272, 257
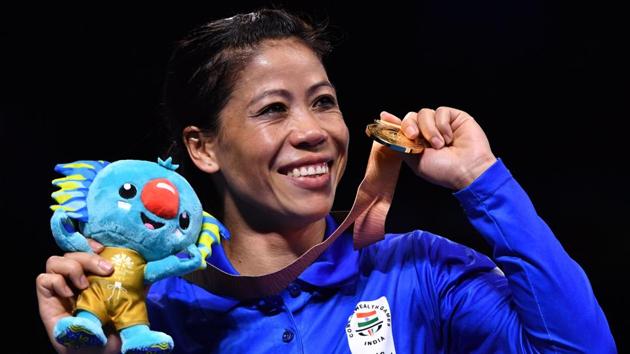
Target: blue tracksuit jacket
409, 293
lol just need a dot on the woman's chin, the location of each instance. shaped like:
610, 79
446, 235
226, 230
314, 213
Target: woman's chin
309, 211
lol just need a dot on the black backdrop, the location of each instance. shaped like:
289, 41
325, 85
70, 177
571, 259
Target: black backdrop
547, 83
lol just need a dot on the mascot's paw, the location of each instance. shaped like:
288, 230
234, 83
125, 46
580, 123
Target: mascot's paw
77, 332
139, 339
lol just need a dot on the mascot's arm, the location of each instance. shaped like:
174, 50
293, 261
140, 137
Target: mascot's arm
173, 265
65, 234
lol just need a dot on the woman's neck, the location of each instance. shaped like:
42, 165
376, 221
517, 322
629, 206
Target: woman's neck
254, 252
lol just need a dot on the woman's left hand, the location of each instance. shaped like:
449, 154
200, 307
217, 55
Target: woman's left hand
459, 151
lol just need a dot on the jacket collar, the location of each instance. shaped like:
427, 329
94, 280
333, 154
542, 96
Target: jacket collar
336, 267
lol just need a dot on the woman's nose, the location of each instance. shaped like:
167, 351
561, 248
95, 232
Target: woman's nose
307, 131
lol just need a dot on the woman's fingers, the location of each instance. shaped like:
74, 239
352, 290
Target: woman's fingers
388, 117
67, 268
75, 265
409, 125
429, 129
91, 262
96, 247
435, 126
54, 297
50, 285
444, 116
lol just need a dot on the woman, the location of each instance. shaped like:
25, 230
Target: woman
257, 113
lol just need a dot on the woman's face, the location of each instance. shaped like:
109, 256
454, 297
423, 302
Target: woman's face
282, 142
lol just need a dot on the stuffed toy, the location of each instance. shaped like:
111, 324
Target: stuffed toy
152, 226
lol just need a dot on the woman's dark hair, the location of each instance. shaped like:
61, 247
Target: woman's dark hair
204, 67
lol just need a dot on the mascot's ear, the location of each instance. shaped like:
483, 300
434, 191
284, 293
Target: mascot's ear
73, 189
201, 149
212, 230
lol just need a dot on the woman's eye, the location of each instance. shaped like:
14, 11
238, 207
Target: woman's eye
273, 108
325, 102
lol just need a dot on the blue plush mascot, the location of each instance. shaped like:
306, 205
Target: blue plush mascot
152, 226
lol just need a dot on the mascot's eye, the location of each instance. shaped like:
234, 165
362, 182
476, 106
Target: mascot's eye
184, 220
127, 191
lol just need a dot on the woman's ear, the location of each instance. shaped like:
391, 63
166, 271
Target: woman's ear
201, 149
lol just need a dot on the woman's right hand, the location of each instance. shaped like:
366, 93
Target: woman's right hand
55, 294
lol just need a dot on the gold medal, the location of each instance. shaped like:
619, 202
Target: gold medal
389, 134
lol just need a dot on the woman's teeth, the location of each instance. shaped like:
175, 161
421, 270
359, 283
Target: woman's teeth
309, 170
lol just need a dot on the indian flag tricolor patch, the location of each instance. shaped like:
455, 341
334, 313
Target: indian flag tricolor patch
370, 328
368, 323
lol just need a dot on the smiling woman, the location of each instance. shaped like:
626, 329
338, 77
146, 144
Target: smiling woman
280, 148
287, 108
250, 101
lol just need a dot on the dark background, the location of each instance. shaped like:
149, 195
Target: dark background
548, 83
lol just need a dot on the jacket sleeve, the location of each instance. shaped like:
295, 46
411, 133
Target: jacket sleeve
542, 303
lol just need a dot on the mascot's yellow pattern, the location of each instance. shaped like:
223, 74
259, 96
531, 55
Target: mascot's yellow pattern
210, 234
74, 187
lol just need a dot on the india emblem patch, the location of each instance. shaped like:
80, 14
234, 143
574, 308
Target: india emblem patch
369, 329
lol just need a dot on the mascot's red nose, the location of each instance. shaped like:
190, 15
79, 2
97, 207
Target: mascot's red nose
161, 198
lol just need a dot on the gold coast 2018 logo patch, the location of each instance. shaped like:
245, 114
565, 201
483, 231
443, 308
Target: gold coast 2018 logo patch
369, 329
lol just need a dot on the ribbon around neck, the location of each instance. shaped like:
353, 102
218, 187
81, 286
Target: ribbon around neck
368, 213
